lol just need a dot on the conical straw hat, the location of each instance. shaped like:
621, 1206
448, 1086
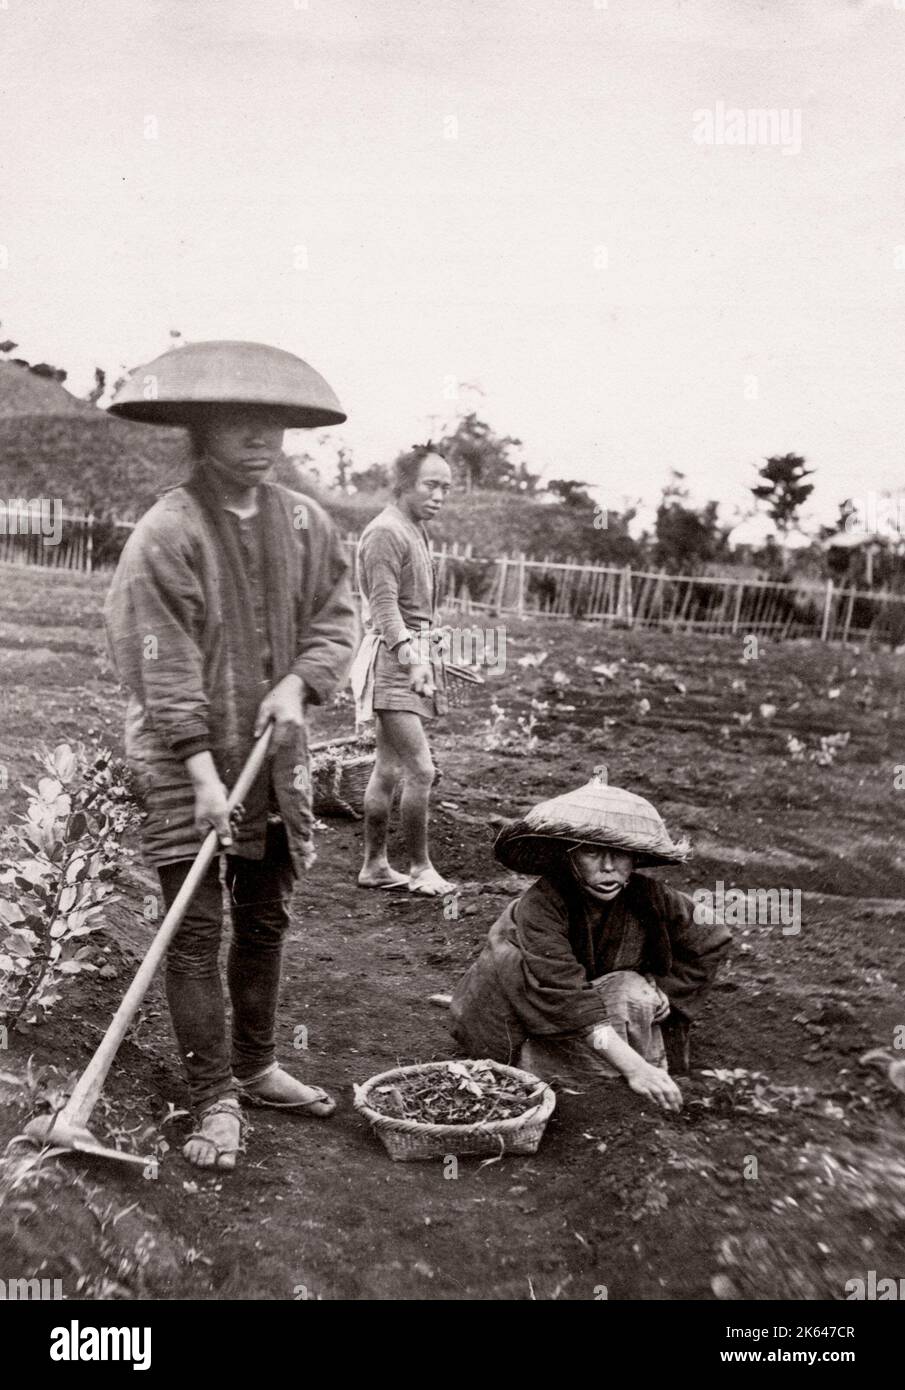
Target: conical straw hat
595, 814
176, 388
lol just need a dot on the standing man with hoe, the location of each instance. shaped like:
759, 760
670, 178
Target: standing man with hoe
230, 608
400, 669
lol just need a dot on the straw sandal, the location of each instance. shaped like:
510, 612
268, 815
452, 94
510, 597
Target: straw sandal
298, 1107
226, 1106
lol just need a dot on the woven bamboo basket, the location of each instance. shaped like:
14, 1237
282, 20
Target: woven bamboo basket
461, 685
411, 1140
339, 788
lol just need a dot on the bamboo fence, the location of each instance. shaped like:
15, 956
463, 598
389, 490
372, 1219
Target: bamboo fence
515, 586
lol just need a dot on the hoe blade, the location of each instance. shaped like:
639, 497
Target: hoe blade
91, 1146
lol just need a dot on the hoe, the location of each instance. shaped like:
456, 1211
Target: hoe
68, 1128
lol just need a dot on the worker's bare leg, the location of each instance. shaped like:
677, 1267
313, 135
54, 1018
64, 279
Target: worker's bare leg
376, 871
405, 735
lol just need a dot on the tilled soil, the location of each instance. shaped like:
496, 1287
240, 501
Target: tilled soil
783, 1177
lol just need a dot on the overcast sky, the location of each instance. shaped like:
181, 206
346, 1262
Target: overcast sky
409, 193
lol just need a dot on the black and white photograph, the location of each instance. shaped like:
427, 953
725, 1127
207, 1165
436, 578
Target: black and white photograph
452, 640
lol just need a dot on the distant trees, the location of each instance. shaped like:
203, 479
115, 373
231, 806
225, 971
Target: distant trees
343, 467
100, 384
783, 489
37, 368
480, 458
570, 491
373, 479
686, 536
45, 369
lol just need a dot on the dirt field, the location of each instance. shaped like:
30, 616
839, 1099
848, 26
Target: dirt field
618, 1196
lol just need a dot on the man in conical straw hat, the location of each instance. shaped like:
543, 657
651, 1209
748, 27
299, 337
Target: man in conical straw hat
231, 606
582, 972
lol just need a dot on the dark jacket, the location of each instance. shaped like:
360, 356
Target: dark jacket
534, 975
169, 628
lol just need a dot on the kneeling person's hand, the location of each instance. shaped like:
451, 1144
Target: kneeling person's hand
655, 1084
644, 1079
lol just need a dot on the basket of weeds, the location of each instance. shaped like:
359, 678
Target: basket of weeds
339, 777
435, 1109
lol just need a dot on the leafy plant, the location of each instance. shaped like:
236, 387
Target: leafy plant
56, 869
753, 1093
499, 739
824, 756
830, 744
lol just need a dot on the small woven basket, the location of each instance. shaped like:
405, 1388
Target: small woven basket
461, 685
338, 787
410, 1140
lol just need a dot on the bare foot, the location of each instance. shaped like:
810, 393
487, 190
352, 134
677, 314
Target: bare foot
279, 1089
218, 1138
430, 884
381, 876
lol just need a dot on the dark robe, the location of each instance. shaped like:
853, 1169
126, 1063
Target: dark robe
533, 977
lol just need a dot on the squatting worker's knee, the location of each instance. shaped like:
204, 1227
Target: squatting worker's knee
628, 996
628, 985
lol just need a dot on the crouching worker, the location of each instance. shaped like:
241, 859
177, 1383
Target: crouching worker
584, 974
230, 607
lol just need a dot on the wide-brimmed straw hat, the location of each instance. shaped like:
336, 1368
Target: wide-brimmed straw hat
181, 385
595, 814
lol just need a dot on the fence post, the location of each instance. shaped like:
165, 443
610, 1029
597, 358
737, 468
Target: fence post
827, 609
521, 584
89, 544
625, 595
848, 612
738, 604
504, 571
